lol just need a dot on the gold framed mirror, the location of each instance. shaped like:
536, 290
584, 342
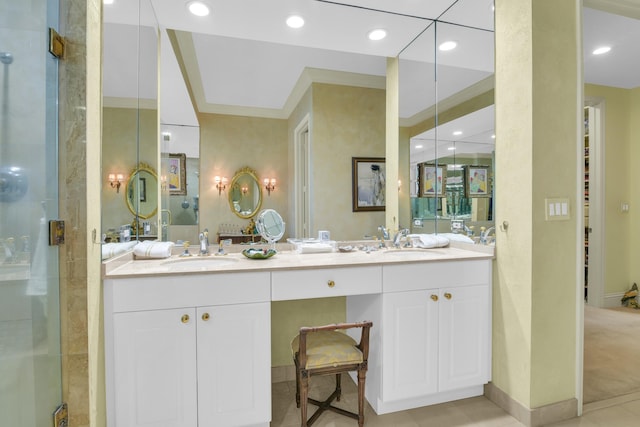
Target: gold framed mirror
141, 192
245, 193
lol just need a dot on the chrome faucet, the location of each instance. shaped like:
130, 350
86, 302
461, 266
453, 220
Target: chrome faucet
385, 232
485, 234
204, 242
403, 232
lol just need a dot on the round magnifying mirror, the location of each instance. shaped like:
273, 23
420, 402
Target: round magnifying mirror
270, 225
141, 192
245, 194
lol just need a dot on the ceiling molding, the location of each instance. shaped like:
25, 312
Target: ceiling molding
483, 86
628, 8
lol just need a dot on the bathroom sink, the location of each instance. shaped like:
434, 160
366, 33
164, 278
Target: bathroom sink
198, 263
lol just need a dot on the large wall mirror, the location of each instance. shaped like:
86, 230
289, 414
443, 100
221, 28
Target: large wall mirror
298, 105
130, 118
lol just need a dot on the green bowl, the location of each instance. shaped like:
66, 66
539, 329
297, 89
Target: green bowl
259, 253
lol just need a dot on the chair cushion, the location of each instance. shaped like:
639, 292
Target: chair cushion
328, 349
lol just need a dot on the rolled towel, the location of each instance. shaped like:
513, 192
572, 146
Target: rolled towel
151, 249
110, 250
427, 241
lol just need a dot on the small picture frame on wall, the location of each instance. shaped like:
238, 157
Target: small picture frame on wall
368, 183
477, 181
177, 174
432, 180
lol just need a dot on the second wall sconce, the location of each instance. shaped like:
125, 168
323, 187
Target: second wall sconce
221, 184
116, 181
269, 185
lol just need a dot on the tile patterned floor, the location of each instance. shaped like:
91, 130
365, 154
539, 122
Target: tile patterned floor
623, 411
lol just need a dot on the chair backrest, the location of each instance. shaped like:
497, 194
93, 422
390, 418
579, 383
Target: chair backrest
363, 346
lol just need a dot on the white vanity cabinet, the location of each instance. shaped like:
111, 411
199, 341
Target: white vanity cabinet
433, 342
188, 351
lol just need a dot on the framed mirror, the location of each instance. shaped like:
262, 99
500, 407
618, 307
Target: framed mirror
141, 192
245, 193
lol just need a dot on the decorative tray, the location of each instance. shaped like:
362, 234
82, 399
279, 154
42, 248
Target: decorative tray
259, 253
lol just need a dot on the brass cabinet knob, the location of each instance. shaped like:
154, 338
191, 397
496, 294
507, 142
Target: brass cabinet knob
447, 295
205, 316
331, 283
434, 297
185, 318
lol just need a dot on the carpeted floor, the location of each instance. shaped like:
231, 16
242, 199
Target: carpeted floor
611, 353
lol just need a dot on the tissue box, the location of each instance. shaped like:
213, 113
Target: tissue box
312, 246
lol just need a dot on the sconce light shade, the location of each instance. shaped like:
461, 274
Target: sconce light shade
116, 181
269, 185
221, 184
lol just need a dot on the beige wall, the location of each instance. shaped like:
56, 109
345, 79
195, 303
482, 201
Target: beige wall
347, 122
535, 279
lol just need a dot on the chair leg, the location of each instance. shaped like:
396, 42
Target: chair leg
304, 394
297, 388
338, 386
362, 374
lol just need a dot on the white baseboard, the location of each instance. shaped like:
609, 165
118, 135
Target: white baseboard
613, 300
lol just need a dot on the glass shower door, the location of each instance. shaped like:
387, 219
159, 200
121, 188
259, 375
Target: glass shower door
30, 378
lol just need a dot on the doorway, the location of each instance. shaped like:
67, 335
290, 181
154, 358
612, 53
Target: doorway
30, 357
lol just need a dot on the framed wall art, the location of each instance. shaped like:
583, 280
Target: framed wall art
177, 174
432, 180
477, 181
368, 183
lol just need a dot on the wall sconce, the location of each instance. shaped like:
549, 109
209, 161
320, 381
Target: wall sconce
244, 190
163, 182
399, 184
116, 181
221, 184
269, 185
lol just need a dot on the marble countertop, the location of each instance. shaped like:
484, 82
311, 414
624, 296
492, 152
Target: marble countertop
126, 266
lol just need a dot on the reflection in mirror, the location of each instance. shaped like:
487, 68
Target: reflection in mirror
129, 115
452, 139
140, 192
245, 193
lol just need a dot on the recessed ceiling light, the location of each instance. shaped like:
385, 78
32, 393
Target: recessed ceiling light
107, 2
493, 136
451, 148
377, 34
198, 8
448, 45
457, 133
601, 50
418, 146
295, 21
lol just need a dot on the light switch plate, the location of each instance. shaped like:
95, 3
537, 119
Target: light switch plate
557, 209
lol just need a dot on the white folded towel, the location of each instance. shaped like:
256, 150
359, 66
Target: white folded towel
116, 248
427, 241
152, 249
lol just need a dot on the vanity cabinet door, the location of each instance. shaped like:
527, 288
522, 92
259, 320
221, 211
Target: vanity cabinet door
435, 341
234, 365
154, 368
410, 350
464, 337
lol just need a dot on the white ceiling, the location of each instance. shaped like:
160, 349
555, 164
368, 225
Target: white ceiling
243, 58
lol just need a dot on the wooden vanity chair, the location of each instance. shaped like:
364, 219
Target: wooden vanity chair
323, 350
